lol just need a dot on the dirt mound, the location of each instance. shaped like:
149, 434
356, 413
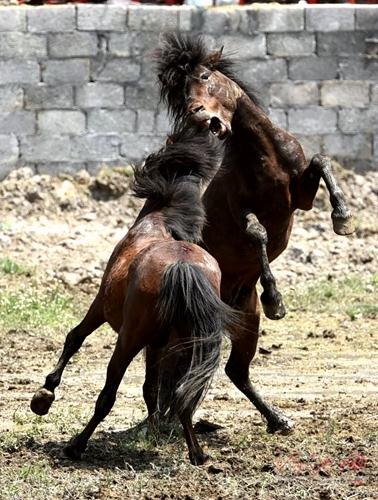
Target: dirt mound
65, 227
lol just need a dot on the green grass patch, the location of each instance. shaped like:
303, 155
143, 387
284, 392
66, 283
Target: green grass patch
9, 266
30, 308
353, 296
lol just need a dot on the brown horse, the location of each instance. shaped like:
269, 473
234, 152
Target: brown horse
251, 201
159, 289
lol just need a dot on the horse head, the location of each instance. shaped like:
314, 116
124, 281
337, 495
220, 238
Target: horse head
197, 84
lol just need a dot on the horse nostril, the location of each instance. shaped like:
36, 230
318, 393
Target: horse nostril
198, 109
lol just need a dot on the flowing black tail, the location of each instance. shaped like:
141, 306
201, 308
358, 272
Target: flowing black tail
189, 303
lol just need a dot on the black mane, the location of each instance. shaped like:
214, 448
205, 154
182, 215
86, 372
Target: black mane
177, 58
170, 181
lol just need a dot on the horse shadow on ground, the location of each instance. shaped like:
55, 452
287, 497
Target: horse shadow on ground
135, 449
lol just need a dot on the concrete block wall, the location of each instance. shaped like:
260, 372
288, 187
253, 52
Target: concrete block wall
78, 89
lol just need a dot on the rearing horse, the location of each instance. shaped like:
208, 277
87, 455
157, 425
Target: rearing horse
250, 203
161, 291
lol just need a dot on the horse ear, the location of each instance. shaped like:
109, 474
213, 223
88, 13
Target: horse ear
214, 57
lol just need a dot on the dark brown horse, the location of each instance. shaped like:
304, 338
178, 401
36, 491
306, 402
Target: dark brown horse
251, 202
160, 290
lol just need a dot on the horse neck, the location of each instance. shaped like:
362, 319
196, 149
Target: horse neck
251, 124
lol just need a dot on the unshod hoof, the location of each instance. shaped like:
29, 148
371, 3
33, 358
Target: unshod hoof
344, 225
274, 311
280, 425
72, 452
199, 458
42, 401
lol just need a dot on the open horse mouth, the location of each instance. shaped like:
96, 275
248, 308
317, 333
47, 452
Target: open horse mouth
213, 123
218, 128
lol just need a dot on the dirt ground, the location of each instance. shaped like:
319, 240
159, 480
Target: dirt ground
319, 364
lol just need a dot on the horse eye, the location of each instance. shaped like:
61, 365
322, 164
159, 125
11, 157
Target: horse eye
205, 76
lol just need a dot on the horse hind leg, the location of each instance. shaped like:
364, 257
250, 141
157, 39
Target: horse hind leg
44, 397
271, 298
196, 454
244, 344
320, 167
130, 342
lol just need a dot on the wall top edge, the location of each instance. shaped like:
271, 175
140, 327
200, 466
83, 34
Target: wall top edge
251, 7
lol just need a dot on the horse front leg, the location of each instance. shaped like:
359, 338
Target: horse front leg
320, 168
44, 396
271, 298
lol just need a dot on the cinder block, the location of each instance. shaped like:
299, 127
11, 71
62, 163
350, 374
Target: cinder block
366, 17
273, 70
218, 22
99, 95
145, 96
153, 18
132, 43
291, 44
8, 154
341, 43
189, 18
41, 148
46, 97
242, 47
72, 45
19, 72
135, 147
278, 19
118, 70
359, 69
95, 147
330, 18
163, 122
313, 68
101, 17
54, 168
294, 94
73, 71
352, 94
374, 93
61, 122
42, 96
11, 99
17, 122
311, 145
44, 19
314, 120
103, 121
12, 19
353, 146
145, 121
278, 117
352, 121
22, 46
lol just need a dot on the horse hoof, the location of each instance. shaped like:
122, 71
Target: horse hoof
274, 311
72, 452
42, 401
280, 425
344, 225
199, 458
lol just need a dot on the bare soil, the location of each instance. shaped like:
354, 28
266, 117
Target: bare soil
319, 364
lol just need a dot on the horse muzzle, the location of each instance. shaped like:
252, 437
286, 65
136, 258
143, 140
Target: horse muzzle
207, 120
